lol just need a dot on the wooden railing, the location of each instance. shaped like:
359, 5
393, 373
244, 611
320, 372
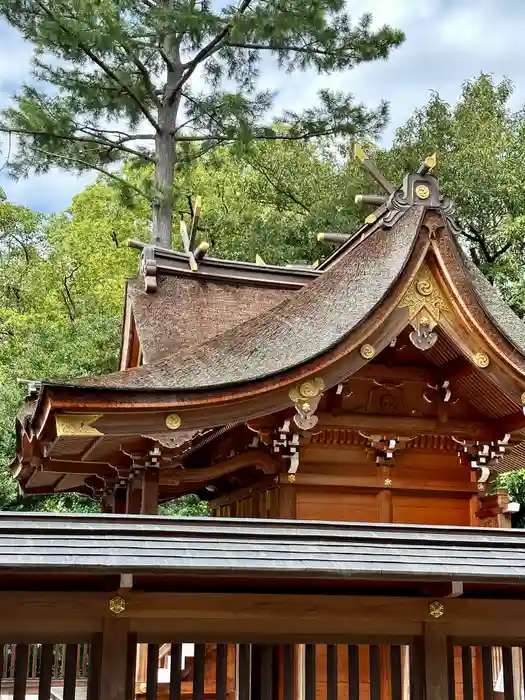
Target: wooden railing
260, 647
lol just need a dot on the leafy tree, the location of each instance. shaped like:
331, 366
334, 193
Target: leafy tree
480, 144
115, 80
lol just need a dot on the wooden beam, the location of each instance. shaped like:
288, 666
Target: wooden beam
397, 373
119, 502
407, 425
69, 466
150, 491
251, 458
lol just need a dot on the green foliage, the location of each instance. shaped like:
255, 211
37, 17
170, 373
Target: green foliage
480, 144
515, 483
114, 80
186, 506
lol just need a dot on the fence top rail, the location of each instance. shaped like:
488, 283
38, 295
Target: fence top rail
277, 549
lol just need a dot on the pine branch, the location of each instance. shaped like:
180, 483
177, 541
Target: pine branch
92, 166
211, 47
144, 73
103, 142
262, 137
273, 47
102, 65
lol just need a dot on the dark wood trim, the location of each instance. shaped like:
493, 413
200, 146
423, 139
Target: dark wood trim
150, 491
436, 662
114, 659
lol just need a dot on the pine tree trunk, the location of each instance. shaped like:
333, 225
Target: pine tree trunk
166, 156
163, 187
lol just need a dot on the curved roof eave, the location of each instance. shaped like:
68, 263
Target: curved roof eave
299, 329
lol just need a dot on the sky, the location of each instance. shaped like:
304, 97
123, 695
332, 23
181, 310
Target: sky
447, 42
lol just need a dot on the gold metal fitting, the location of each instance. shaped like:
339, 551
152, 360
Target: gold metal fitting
292, 478
117, 605
481, 360
388, 482
422, 191
436, 609
371, 219
173, 421
367, 351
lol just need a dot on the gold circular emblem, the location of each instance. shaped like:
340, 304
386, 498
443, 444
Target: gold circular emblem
291, 478
388, 482
424, 287
523, 398
481, 359
117, 605
422, 191
173, 421
367, 351
371, 219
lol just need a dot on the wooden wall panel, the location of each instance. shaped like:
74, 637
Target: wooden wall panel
431, 510
329, 504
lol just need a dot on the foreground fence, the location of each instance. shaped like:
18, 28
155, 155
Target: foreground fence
227, 646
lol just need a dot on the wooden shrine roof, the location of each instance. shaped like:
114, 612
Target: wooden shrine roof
262, 548
306, 325
262, 330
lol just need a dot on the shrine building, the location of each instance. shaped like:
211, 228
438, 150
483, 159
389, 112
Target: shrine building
345, 423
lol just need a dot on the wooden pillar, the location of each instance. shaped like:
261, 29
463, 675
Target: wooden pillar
436, 662
287, 502
133, 496
150, 491
119, 500
385, 506
114, 671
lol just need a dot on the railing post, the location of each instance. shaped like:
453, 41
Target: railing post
436, 662
113, 678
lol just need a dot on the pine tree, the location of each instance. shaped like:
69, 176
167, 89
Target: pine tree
164, 81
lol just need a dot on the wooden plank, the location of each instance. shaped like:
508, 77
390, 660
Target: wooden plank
198, 671
46, 672
152, 672
451, 669
244, 671
175, 672
508, 676
396, 672
114, 667
466, 673
436, 662
70, 671
417, 668
353, 672
331, 672
375, 673
21, 669
288, 672
309, 667
95, 664
266, 672
131, 666
488, 680
221, 671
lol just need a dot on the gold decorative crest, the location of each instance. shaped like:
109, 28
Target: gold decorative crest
367, 351
424, 293
422, 191
307, 390
481, 360
523, 398
117, 605
436, 609
371, 219
76, 424
173, 421
388, 482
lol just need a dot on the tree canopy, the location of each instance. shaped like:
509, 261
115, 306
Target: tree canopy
149, 80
